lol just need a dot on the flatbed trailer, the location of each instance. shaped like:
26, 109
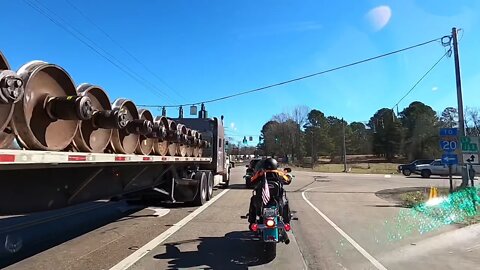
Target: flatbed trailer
33, 180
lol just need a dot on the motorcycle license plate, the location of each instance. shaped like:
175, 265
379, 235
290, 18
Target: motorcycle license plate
270, 212
270, 235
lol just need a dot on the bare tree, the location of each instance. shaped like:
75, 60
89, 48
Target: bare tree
300, 115
472, 119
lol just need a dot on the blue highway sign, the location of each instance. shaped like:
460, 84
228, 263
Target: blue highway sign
448, 131
448, 146
449, 159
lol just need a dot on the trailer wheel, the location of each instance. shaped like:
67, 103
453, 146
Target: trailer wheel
209, 185
227, 179
201, 197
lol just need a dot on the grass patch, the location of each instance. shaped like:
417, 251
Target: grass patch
373, 168
410, 199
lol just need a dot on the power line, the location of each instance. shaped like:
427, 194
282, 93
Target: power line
447, 53
301, 78
123, 48
101, 52
421, 79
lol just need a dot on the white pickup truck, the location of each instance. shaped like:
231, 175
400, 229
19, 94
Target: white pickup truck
438, 168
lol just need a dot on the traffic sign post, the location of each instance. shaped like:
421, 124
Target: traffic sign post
449, 144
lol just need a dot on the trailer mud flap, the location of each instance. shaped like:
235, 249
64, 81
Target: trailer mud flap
185, 189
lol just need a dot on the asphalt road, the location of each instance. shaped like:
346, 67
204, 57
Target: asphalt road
343, 223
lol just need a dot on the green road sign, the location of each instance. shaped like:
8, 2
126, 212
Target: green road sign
469, 144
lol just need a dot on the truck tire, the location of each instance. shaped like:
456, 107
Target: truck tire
209, 185
406, 172
426, 173
201, 197
227, 179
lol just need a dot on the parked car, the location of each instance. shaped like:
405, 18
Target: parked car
408, 169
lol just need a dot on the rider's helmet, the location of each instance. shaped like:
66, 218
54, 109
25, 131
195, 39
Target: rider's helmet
270, 164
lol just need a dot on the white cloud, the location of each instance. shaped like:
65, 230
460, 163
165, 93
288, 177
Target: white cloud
435, 88
379, 17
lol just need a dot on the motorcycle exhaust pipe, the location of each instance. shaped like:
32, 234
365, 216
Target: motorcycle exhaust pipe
287, 240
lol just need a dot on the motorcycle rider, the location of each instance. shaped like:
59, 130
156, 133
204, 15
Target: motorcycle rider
268, 165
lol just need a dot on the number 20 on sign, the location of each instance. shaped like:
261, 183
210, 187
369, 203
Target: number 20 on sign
448, 145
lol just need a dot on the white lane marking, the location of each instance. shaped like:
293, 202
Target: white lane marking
141, 252
365, 254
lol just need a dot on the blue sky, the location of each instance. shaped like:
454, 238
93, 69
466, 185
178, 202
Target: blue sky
206, 49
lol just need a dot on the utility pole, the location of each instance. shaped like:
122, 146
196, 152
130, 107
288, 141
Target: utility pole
461, 121
344, 148
313, 163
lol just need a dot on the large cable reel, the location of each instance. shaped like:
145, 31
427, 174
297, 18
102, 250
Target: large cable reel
160, 146
145, 145
94, 135
11, 91
48, 115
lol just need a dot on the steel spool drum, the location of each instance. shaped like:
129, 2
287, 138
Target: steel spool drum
90, 137
196, 149
182, 144
146, 142
160, 145
11, 91
172, 137
48, 115
123, 141
191, 138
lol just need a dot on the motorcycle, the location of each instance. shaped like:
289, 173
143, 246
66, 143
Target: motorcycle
269, 226
248, 177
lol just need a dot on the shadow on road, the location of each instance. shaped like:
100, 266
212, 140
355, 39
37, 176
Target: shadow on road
26, 235
238, 186
386, 205
236, 250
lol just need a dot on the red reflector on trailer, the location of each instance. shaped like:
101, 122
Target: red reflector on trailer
176, 159
287, 227
147, 158
77, 158
254, 227
119, 158
7, 158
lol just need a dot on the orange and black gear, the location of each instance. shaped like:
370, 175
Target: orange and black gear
261, 173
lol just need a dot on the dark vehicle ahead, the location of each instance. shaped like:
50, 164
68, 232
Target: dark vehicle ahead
408, 169
251, 168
